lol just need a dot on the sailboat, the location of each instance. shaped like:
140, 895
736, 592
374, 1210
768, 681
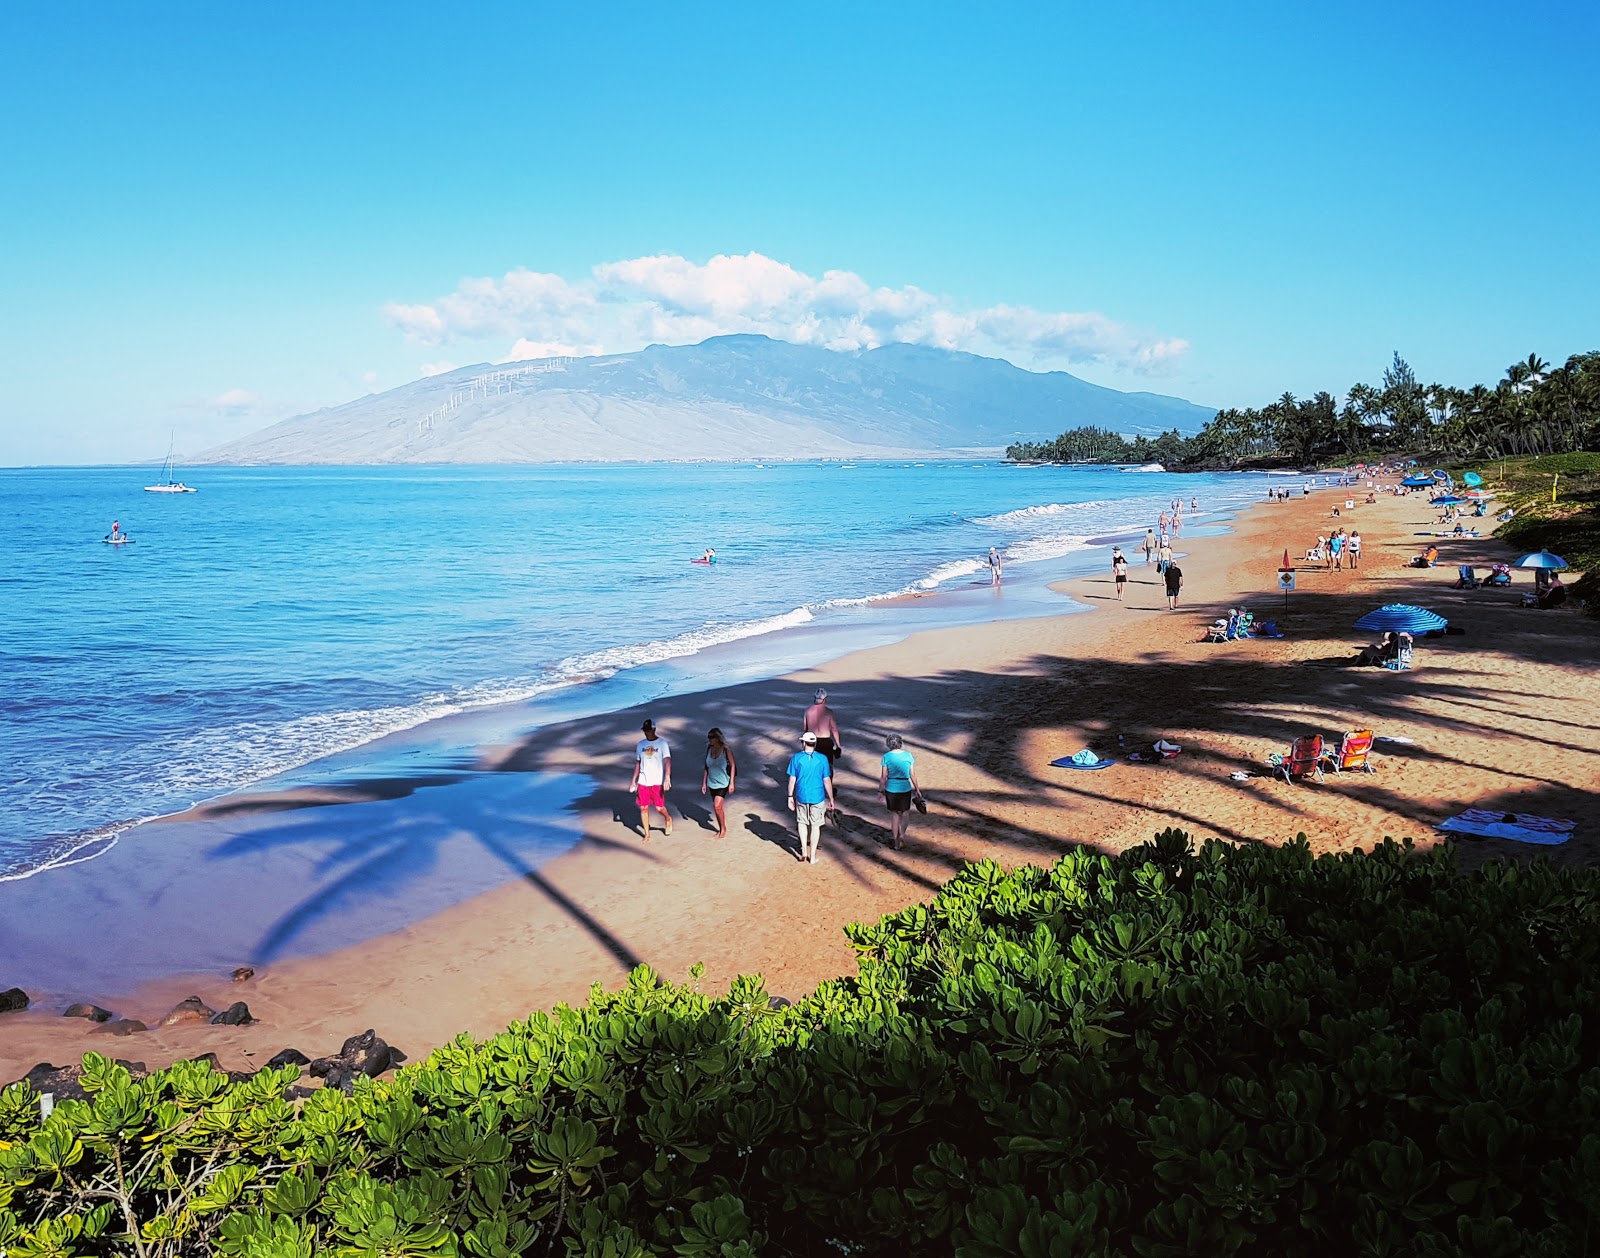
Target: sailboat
168, 485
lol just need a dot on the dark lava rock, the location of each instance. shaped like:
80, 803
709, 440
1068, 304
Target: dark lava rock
13, 999
242, 973
188, 1011
363, 1054
62, 1082
289, 1057
236, 1014
121, 1026
93, 1012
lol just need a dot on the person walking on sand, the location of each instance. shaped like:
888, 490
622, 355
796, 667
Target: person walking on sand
1174, 575
718, 778
1354, 548
1166, 556
820, 720
1119, 569
1149, 545
897, 784
994, 566
1336, 549
652, 778
810, 794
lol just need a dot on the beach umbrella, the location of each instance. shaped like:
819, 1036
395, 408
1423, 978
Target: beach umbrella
1479, 495
1447, 500
1541, 559
1473, 479
1418, 482
1402, 618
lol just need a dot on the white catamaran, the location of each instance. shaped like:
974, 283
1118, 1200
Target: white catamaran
168, 485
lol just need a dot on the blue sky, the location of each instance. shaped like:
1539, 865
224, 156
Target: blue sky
218, 215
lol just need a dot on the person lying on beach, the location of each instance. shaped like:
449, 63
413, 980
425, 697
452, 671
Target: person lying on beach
718, 778
1377, 652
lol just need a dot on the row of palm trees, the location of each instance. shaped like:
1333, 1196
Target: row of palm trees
1535, 409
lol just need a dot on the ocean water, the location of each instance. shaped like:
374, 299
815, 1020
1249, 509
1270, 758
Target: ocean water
282, 615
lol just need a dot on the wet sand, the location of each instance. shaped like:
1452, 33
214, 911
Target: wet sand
1499, 717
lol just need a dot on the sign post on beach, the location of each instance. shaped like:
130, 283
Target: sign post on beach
1286, 583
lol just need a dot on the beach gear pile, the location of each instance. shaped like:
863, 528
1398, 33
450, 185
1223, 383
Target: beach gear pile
1239, 623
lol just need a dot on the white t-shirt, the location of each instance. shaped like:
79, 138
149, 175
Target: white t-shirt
652, 756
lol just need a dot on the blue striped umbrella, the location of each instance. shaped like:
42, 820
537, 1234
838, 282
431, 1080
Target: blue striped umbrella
1402, 618
1540, 559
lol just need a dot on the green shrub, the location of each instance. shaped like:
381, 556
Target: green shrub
1170, 1052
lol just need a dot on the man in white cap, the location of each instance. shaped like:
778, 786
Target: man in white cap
810, 794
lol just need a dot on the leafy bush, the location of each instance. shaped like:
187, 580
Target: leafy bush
1169, 1052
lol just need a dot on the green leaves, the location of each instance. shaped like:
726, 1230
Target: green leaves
1221, 1050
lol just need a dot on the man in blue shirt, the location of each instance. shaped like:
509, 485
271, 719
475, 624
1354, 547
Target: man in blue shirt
810, 793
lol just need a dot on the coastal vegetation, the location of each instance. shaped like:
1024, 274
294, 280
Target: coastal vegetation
1536, 409
1231, 1050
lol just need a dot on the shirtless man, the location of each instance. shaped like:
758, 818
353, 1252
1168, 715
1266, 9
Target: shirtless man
819, 720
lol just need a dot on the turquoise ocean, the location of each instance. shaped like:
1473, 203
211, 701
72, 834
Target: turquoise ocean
272, 627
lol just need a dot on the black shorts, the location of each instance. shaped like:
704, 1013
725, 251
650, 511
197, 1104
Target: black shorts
717, 792
826, 747
898, 801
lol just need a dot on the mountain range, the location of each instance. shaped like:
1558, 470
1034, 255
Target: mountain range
726, 398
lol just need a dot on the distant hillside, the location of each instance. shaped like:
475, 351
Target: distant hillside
729, 397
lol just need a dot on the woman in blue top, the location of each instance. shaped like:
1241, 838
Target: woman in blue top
717, 780
897, 783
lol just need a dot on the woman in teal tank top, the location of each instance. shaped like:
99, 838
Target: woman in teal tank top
717, 781
897, 783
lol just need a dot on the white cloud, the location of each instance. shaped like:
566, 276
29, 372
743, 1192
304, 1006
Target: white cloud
438, 368
623, 305
234, 402
370, 379
525, 350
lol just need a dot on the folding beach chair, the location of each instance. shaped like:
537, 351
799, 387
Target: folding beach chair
1304, 758
1402, 656
1352, 755
1500, 574
1468, 580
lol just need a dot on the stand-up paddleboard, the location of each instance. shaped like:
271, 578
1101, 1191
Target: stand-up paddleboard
116, 541
707, 562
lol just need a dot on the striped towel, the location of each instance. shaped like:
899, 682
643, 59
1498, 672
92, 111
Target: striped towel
1503, 825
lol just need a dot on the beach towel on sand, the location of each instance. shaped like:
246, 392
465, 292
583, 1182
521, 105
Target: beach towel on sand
1084, 759
1507, 825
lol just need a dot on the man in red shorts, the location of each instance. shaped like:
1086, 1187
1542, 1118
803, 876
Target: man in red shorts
652, 778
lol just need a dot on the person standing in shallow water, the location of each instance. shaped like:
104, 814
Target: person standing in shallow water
810, 794
652, 778
717, 780
994, 566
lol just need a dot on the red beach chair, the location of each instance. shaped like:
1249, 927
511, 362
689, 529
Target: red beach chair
1304, 758
1354, 748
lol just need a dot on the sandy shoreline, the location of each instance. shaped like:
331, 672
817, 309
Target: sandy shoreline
1496, 716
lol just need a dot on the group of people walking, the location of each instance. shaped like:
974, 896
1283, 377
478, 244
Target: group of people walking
810, 773
1337, 551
